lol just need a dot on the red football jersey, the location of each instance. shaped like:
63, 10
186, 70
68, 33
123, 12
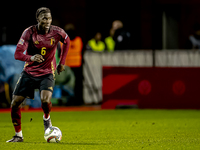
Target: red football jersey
43, 44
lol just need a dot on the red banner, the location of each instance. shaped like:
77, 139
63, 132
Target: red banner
169, 88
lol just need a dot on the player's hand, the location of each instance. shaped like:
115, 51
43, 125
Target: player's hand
60, 68
37, 58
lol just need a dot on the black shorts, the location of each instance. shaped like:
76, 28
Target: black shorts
27, 84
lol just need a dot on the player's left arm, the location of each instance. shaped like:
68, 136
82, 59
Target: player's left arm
64, 51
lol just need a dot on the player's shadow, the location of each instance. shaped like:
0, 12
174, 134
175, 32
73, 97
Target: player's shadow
66, 143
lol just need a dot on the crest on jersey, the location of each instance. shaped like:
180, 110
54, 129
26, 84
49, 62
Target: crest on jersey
52, 41
21, 42
36, 42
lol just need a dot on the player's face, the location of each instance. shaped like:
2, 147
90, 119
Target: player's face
44, 21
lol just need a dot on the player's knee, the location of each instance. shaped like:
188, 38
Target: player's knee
46, 96
45, 99
13, 103
16, 101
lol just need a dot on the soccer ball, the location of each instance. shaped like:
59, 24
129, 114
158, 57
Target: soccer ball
53, 135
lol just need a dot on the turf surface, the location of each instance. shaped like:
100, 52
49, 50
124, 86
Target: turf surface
108, 129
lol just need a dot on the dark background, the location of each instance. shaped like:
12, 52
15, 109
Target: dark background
143, 18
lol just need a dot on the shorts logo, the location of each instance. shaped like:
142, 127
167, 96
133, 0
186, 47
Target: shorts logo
21, 42
50, 88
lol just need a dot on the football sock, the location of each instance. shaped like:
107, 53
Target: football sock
16, 118
46, 118
46, 109
19, 134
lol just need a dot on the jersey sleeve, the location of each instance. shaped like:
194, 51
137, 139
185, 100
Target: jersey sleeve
64, 36
64, 50
23, 45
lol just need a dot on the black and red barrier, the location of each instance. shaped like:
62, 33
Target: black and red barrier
167, 88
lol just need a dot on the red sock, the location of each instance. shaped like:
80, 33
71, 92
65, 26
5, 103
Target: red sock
46, 116
16, 118
46, 109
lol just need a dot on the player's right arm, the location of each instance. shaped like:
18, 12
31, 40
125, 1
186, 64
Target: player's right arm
22, 46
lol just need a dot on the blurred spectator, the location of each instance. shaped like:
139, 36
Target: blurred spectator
74, 56
63, 92
64, 87
121, 37
95, 44
194, 40
110, 43
10, 70
74, 65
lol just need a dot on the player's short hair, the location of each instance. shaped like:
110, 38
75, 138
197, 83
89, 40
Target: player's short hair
42, 10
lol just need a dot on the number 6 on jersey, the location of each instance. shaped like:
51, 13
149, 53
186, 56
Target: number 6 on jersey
43, 51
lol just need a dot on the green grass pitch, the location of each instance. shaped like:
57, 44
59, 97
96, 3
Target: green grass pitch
108, 129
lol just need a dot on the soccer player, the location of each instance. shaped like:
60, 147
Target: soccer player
40, 42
